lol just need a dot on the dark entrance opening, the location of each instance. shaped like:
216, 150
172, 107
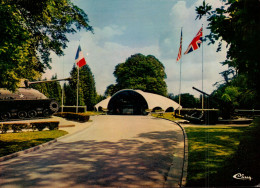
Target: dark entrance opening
127, 102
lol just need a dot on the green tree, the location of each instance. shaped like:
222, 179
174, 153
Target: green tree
49, 89
140, 72
30, 30
54, 89
111, 89
187, 100
87, 89
70, 95
234, 94
41, 87
238, 24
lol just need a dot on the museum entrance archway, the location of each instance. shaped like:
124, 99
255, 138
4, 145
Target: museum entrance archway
127, 102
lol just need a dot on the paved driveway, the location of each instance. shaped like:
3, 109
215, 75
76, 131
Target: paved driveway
125, 151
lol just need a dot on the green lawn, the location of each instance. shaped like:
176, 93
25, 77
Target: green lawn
167, 115
216, 153
13, 142
209, 148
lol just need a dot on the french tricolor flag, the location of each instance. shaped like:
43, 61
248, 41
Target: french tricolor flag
80, 60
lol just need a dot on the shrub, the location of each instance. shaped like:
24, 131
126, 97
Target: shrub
54, 125
18, 126
51, 125
60, 114
82, 117
38, 125
5, 127
14, 126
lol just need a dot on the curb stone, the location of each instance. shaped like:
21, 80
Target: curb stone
182, 182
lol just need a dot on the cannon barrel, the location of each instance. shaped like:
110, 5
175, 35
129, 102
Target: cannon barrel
28, 83
201, 91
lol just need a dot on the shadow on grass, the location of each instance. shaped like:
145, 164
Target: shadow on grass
12, 147
246, 159
14, 142
209, 148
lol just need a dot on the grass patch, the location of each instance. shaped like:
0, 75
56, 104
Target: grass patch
209, 147
217, 153
246, 160
94, 113
14, 142
166, 115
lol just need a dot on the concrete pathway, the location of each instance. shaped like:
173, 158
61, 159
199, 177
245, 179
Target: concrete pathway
114, 151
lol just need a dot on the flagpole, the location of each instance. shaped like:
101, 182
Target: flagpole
180, 75
77, 91
180, 88
62, 97
202, 71
62, 87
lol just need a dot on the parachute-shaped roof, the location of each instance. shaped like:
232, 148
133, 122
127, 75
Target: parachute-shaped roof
153, 100
103, 104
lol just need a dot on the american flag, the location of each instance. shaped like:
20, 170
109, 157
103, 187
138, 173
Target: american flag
195, 43
180, 49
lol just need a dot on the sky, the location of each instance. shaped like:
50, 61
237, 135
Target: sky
152, 27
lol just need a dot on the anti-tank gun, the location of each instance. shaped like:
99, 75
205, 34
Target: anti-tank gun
205, 115
26, 102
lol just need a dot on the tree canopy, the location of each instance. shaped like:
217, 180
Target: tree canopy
49, 89
238, 24
87, 89
30, 30
140, 72
187, 100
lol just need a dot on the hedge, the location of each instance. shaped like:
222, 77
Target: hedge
51, 125
81, 117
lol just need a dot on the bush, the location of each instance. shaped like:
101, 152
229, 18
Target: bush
82, 117
13, 126
38, 125
54, 125
5, 127
51, 125
19, 126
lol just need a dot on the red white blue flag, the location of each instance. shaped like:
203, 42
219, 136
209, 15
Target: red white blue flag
195, 43
180, 49
80, 60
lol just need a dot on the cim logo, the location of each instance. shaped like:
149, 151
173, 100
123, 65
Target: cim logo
240, 176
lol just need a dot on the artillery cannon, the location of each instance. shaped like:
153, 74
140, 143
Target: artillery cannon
26, 102
202, 116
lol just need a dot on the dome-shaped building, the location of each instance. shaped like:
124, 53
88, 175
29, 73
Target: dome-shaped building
136, 102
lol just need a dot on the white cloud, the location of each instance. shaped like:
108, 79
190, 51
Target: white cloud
103, 55
107, 33
184, 16
105, 51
